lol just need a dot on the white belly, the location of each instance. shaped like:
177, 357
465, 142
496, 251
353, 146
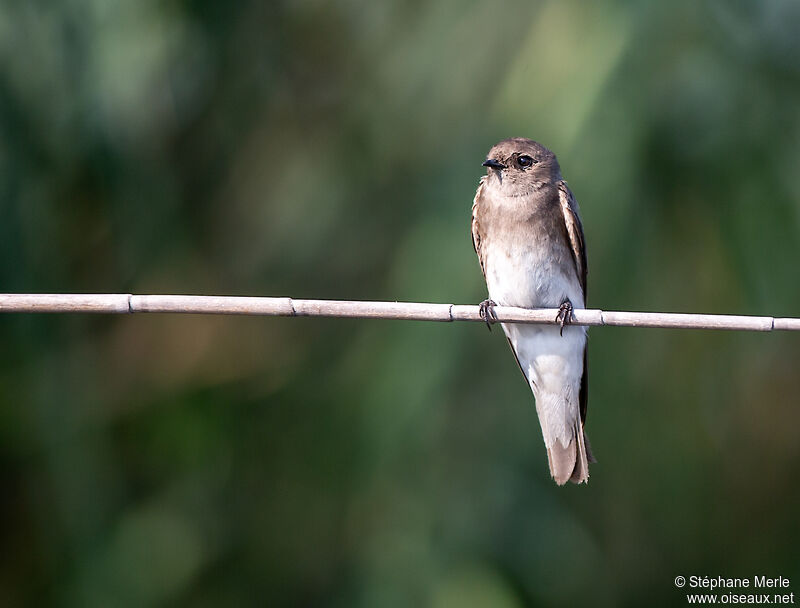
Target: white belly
552, 363
532, 277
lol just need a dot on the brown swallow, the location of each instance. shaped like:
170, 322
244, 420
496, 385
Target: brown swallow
527, 232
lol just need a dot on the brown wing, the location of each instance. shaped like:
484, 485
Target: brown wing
476, 233
572, 219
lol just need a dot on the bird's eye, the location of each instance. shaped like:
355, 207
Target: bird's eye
525, 161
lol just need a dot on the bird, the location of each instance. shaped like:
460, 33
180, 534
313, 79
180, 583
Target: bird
528, 235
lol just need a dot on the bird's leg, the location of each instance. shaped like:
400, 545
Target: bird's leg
486, 311
564, 316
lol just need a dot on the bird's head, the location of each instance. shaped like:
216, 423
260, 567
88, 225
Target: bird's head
519, 166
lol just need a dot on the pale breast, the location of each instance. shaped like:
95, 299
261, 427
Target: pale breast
530, 268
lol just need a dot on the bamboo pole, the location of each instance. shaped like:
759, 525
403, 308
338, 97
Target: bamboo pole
411, 311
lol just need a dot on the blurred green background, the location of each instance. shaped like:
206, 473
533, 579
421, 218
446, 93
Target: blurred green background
332, 150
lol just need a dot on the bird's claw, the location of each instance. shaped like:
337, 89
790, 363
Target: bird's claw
564, 316
486, 311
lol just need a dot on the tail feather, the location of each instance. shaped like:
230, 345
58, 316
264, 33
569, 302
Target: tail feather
571, 463
589, 456
562, 461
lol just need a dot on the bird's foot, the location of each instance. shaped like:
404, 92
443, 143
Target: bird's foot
486, 311
564, 316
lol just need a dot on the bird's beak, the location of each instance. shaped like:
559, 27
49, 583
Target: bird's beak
494, 164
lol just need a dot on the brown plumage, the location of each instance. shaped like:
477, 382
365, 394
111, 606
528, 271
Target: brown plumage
527, 232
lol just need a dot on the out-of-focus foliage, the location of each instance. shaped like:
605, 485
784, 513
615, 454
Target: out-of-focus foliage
321, 149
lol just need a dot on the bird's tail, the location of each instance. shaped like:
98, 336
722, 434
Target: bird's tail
571, 463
